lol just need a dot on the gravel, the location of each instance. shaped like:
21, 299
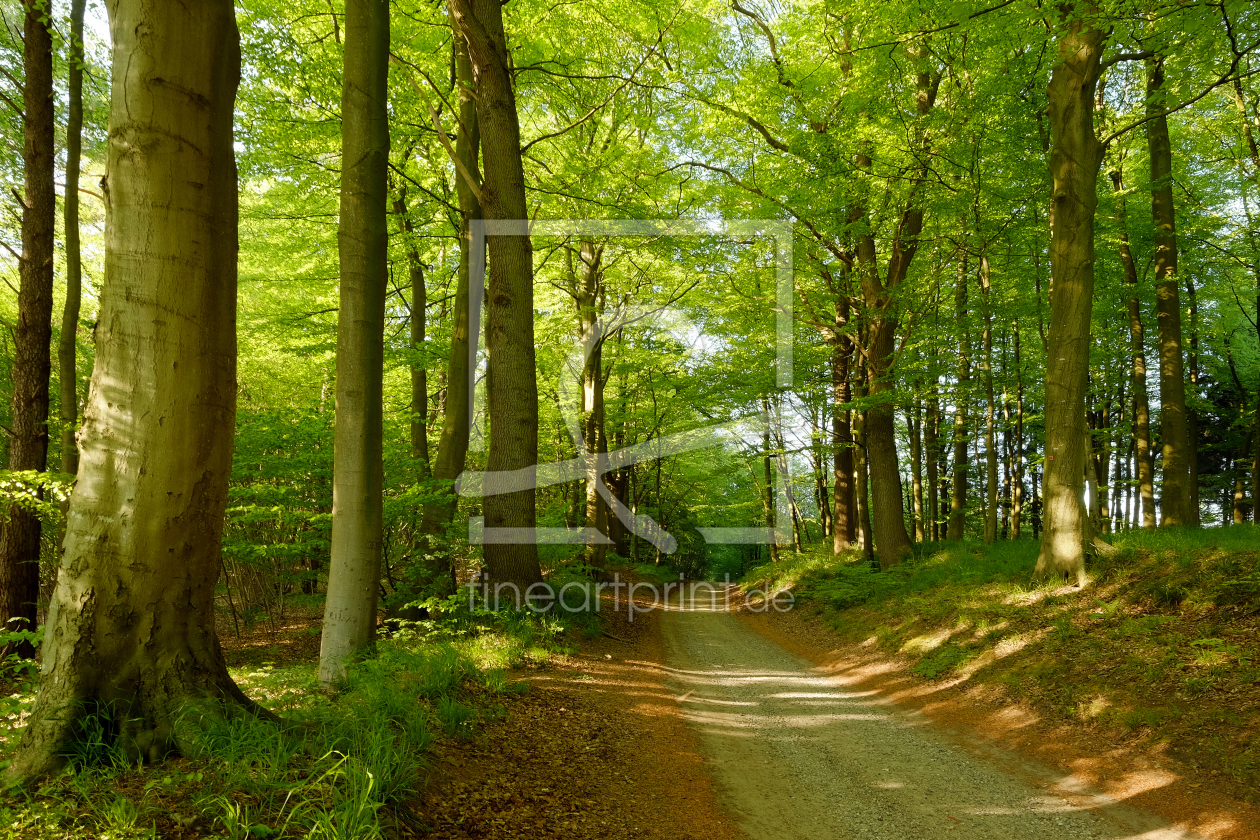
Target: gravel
794, 753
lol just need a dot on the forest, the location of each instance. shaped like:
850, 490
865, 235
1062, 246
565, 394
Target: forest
335, 308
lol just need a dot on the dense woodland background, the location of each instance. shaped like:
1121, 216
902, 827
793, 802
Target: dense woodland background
788, 111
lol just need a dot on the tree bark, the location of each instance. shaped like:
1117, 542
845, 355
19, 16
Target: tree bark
990, 449
844, 512
28, 441
914, 421
362, 240
511, 384
957, 528
452, 445
932, 449
130, 635
68, 345
1075, 158
1137, 345
1176, 494
1017, 477
588, 298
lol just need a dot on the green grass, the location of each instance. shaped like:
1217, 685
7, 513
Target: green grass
340, 766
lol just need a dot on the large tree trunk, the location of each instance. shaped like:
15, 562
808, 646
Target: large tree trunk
355, 559
844, 511
511, 385
1175, 498
130, 634
67, 346
879, 427
452, 446
1075, 157
28, 440
1253, 153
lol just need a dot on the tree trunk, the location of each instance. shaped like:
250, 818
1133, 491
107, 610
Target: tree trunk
1137, 345
355, 559
28, 441
958, 498
932, 448
1192, 379
511, 377
419, 373
914, 421
990, 450
67, 347
1175, 496
1074, 161
130, 634
588, 297
768, 496
844, 511
1240, 483
1017, 477
452, 446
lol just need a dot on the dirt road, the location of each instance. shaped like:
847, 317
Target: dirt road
794, 754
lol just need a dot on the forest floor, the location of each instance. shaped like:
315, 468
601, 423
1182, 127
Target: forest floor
1075, 769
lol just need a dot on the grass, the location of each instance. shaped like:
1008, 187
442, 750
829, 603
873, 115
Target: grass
1160, 646
341, 766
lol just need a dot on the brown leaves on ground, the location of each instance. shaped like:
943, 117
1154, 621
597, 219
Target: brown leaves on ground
596, 748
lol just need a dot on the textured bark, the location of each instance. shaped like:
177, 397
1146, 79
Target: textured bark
1175, 497
844, 510
1253, 154
67, 346
879, 299
511, 385
130, 634
1137, 350
362, 244
452, 445
28, 441
1075, 157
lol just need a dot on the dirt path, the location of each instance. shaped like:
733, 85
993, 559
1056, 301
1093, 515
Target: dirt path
795, 753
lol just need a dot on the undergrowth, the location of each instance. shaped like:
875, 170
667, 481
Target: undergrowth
340, 766
1160, 645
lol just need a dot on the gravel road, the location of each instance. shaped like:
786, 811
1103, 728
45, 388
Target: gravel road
794, 754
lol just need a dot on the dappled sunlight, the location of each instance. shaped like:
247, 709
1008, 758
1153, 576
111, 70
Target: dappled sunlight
764, 716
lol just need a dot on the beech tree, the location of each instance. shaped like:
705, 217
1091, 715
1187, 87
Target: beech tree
354, 568
512, 385
28, 440
1075, 157
130, 634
